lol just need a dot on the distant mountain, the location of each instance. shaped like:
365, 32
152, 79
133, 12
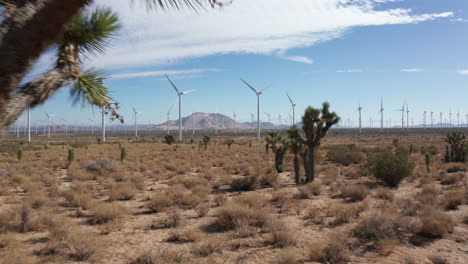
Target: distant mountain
207, 121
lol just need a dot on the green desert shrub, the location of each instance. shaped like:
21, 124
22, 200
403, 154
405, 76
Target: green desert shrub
246, 183
391, 167
344, 155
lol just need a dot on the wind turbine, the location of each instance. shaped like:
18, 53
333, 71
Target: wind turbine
252, 115
441, 122
92, 125
258, 93
279, 120
402, 110
407, 117
29, 124
180, 104
432, 119
168, 114
293, 108
450, 115
381, 115
66, 126
234, 114
103, 123
458, 118
48, 122
135, 114
269, 117
360, 120
424, 119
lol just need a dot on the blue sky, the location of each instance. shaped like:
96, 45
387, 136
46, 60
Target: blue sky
342, 51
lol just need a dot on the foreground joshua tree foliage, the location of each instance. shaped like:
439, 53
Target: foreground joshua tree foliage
229, 142
169, 139
206, 140
278, 145
316, 123
29, 28
295, 146
458, 147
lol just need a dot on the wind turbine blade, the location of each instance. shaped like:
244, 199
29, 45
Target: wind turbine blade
266, 88
170, 109
173, 85
189, 91
250, 86
133, 109
290, 100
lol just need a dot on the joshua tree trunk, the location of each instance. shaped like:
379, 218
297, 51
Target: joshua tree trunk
28, 29
297, 169
279, 157
309, 165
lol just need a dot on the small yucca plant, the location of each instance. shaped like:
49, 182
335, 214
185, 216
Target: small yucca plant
428, 161
71, 155
20, 154
123, 152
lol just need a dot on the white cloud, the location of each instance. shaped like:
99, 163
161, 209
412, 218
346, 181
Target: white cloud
412, 70
259, 27
349, 71
459, 20
302, 59
462, 72
159, 73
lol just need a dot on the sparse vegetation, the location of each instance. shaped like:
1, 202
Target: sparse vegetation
391, 168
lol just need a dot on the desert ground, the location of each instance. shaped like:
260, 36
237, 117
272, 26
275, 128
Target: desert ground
182, 203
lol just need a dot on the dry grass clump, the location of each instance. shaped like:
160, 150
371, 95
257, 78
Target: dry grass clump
219, 199
77, 199
10, 220
172, 219
436, 224
121, 191
241, 212
333, 251
354, 193
102, 166
208, 247
246, 183
270, 180
345, 213
287, 256
80, 174
202, 209
428, 194
452, 199
344, 155
309, 190
438, 259
188, 181
384, 193
161, 256
409, 206
83, 246
282, 235
106, 212
453, 178
185, 236
159, 202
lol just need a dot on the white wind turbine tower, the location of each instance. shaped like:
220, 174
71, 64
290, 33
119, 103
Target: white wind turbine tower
43, 125
66, 126
252, 115
381, 115
180, 105
48, 122
370, 122
258, 93
407, 117
293, 108
360, 120
458, 119
432, 119
234, 114
29, 124
269, 118
441, 120
279, 120
402, 110
103, 124
92, 125
424, 119
290, 118
450, 115
135, 115
18, 126
168, 114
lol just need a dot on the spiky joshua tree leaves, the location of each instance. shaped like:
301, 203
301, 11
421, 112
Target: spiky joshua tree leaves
29, 29
296, 147
278, 145
458, 147
316, 123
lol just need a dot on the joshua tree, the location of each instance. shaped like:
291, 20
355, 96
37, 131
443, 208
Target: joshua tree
29, 28
71, 155
296, 147
20, 154
229, 142
278, 146
206, 140
316, 123
123, 152
458, 147
427, 157
169, 139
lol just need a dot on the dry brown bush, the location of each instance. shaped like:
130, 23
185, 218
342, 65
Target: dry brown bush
106, 212
452, 199
161, 256
282, 236
436, 223
287, 256
438, 259
202, 209
384, 193
219, 199
246, 183
344, 213
159, 202
83, 246
335, 250
121, 191
354, 193
102, 166
309, 190
185, 236
234, 215
453, 178
208, 247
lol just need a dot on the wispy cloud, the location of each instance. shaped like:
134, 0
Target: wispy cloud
349, 71
150, 38
462, 72
302, 59
412, 70
459, 20
160, 73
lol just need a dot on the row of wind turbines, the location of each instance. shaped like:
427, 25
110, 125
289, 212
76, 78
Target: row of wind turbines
405, 111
